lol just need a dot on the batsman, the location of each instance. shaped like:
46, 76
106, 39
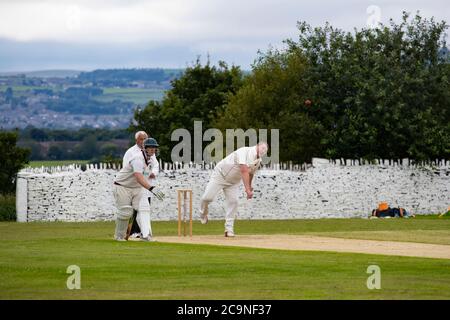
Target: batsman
140, 224
238, 166
128, 190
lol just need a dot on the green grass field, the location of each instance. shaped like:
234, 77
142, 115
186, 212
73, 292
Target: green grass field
136, 95
34, 258
18, 90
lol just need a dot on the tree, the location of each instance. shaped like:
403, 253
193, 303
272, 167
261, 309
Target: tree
381, 92
36, 152
87, 149
55, 152
38, 134
199, 94
273, 97
12, 159
109, 150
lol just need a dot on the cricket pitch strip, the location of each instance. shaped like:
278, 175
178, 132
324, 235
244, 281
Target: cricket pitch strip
316, 243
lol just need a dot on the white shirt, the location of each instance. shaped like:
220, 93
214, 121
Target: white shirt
126, 177
131, 152
229, 167
133, 161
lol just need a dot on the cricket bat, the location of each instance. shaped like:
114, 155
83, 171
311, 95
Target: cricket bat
130, 224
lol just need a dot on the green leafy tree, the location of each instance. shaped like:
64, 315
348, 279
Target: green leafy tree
36, 150
273, 97
55, 152
382, 92
87, 149
199, 94
38, 134
379, 92
12, 159
109, 150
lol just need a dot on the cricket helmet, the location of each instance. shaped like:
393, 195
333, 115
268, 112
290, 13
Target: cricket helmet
150, 143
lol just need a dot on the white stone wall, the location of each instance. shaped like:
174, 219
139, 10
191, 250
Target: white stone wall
323, 190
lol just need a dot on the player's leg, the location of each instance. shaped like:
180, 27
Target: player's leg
134, 230
213, 187
123, 199
144, 215
231, 206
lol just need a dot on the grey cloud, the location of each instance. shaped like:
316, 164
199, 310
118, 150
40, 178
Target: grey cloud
228, 30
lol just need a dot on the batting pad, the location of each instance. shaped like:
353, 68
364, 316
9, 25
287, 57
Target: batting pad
125, 212
121, 228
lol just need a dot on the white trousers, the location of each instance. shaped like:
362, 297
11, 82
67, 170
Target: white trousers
126, 200
230, 187
143, 215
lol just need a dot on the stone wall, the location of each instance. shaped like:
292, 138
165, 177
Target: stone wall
342, 189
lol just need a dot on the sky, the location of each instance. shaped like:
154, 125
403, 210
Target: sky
95, 34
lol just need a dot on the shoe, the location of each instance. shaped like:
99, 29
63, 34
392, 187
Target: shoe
134, 239
148, 239
120, 239
204, 219
229, 234
135, 235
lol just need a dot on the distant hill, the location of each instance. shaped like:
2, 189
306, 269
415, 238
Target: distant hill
73, 99
136, 74
44, 73
118, 76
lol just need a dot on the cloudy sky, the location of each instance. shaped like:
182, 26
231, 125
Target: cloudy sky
90, 34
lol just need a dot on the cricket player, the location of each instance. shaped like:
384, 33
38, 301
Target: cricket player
128, 190
238, 166
143, 228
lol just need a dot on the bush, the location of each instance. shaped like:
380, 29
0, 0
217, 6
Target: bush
12, 159
7, 207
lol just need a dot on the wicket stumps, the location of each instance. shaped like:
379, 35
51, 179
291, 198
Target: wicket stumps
183, 202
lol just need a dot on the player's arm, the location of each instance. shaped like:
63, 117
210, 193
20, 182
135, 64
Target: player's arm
245, 174
155, 167
251, 180
138, 168
141, 180
125, 160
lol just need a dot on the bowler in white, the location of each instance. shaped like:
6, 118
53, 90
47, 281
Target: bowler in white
240, 165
